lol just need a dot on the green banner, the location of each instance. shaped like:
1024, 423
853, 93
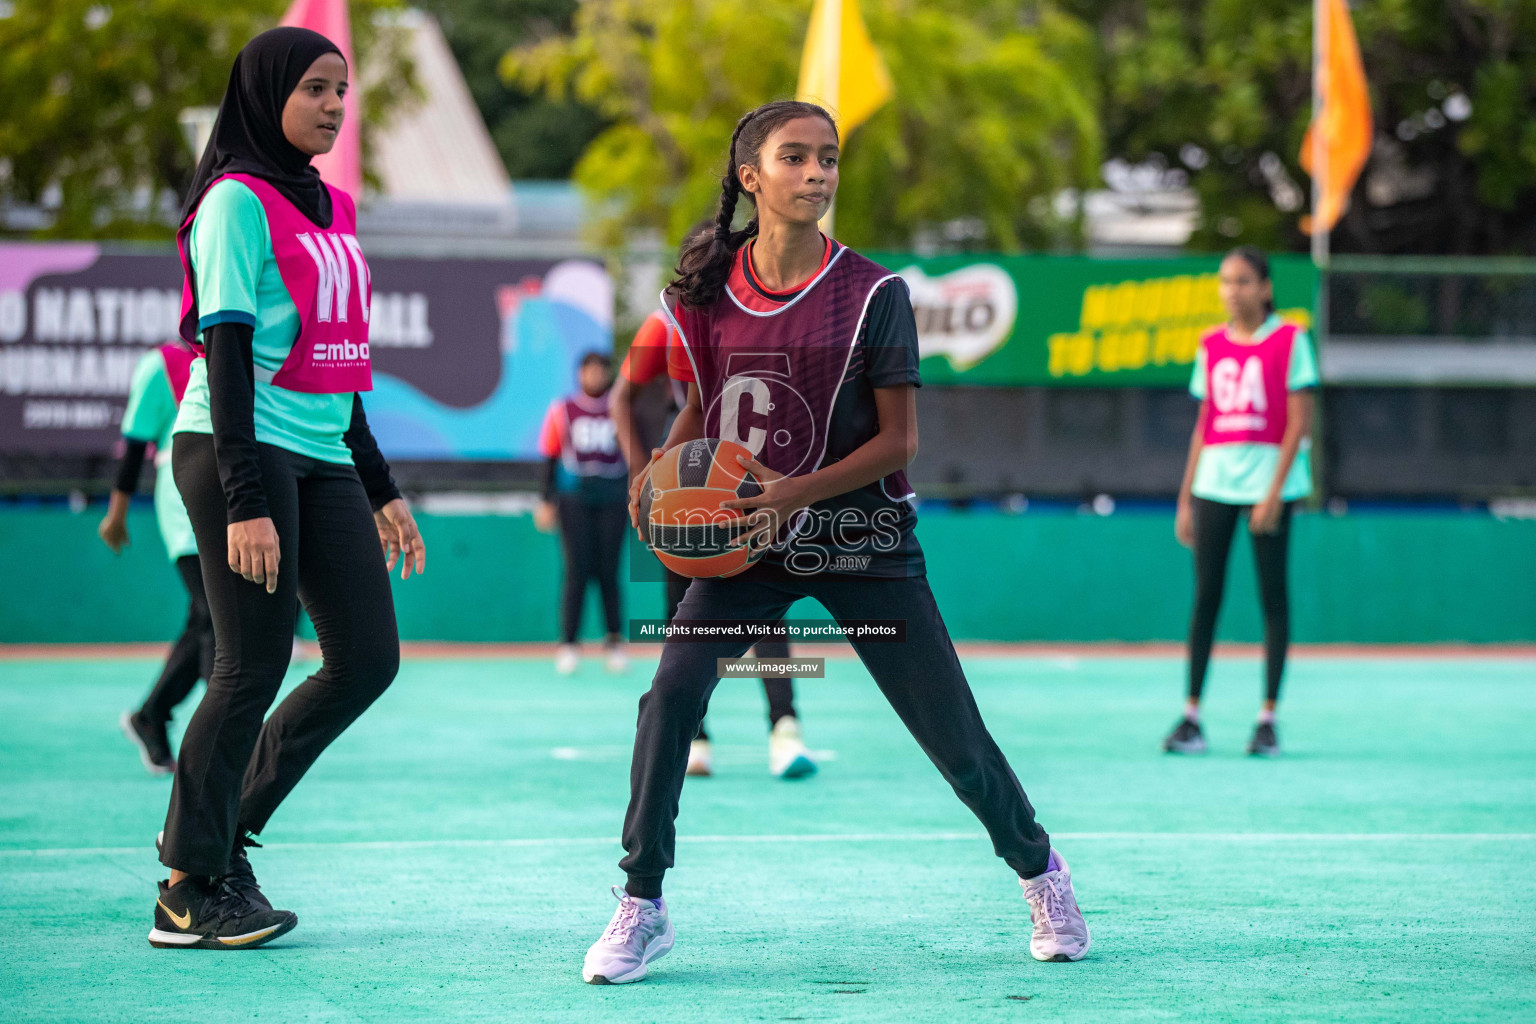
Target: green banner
1074, 320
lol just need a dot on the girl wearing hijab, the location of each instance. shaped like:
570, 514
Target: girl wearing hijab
288, 495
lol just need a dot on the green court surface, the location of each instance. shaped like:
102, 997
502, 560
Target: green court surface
450, 857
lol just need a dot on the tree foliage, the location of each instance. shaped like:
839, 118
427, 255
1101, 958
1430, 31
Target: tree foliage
991, 118
537, 137
93, 92
1221, 92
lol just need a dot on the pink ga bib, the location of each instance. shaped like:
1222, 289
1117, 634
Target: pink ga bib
1246, 386
327, 279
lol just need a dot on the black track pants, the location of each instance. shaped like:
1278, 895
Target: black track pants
232, 770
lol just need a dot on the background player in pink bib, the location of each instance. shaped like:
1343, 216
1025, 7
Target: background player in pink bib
1250, 452
806, 353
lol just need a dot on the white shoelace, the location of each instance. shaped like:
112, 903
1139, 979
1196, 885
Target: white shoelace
1051, 900
624, 923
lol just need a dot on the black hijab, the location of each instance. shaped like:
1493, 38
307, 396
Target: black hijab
248, 134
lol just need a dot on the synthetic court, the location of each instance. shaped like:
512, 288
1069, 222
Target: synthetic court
450, 856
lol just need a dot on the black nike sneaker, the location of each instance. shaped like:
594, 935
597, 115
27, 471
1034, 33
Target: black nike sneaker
1186, 738
149, 736
239, 876
197, 914
1264, 743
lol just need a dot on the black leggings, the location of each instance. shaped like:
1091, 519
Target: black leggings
921, 678
191, 657
779, 691
591, 536
1215, 522
233, 771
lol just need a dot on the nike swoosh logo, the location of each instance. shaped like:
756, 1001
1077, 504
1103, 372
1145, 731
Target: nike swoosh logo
182, 920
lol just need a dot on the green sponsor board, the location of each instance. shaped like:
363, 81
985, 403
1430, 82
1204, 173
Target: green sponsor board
1074, 320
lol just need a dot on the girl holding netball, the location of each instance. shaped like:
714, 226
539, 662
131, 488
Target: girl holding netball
646, 361
1250, 453
806, 353
288, 495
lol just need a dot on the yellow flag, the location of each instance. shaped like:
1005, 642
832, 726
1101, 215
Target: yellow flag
1343, 125
840, 68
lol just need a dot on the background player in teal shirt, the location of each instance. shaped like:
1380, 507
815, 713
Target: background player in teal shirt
1264, 479
148, 419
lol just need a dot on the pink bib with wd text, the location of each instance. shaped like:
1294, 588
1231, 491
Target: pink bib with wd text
1245, 384
327, 279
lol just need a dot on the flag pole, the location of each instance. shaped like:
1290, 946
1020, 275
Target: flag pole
834, 99
1320, 230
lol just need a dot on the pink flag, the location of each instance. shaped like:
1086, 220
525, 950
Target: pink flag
343, 165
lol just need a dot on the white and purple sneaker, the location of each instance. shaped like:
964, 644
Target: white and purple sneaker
1061, 934
640, 932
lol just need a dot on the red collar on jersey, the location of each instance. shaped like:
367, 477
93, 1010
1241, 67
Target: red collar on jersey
750, 291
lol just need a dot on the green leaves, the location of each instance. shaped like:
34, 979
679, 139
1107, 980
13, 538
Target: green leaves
992, 110
92, 96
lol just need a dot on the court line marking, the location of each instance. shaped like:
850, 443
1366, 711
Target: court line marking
1112, 650
851, 837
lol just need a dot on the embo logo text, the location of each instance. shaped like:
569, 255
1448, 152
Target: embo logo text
339, 352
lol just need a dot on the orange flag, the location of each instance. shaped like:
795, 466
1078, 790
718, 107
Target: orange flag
1344, 119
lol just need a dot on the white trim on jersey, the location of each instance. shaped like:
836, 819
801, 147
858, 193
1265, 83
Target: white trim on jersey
803, 291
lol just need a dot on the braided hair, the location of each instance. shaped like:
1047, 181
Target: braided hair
705, 262
1255, 258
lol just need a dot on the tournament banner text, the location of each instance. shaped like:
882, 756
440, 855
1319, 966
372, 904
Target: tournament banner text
1074, 320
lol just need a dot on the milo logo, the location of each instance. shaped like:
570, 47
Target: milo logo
964, 315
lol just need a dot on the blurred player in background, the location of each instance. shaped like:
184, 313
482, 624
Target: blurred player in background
586, 491
159, 380
646, 360
1250, 453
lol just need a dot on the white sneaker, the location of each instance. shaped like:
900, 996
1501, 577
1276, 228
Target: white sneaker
567, 658
640, 932
618, 661
700, 759
1061, 934
787, 756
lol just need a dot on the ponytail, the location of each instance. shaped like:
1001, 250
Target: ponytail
704, 265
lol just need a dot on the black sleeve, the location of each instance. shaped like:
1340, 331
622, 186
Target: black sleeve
232, 407
129, 466
547, 485
890, 338
371, 467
